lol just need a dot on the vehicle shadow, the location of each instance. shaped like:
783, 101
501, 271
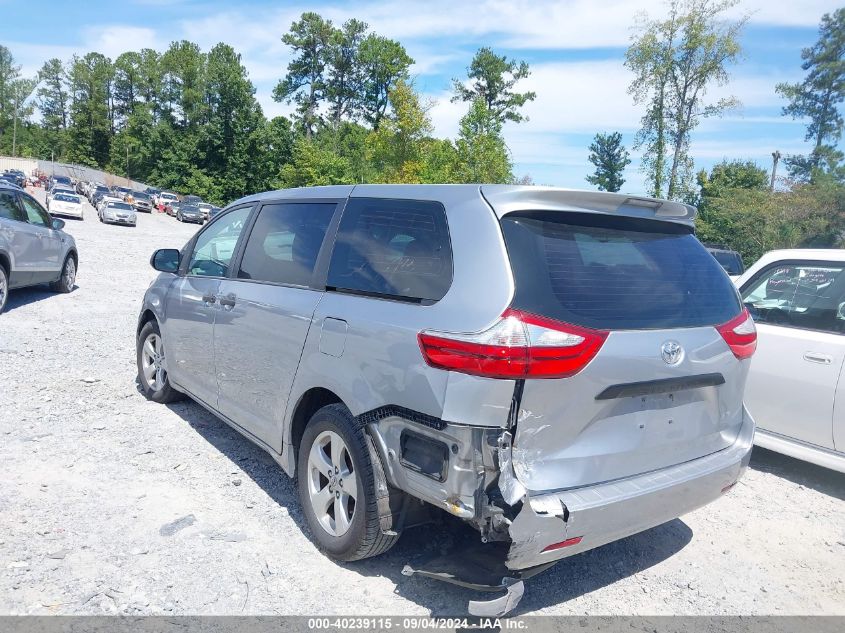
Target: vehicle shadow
568, 579
32, 294
824, 480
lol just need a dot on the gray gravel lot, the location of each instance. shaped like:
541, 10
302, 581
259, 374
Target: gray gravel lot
112, 504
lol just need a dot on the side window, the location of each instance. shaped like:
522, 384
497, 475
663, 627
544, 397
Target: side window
285, 241
215, 246
396, 248
806, 295
9, 208
34, 213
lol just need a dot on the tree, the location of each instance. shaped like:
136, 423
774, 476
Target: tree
90, 130
383, 63
817, 97
305, 83
21, 90
396, 147
675, 61
482, 155
344, 78
313, 165
183, 66
9, 73
53, 97
610, 158
492, 79
127, 80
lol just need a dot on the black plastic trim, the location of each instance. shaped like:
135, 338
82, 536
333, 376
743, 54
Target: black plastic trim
395, 411
664, 385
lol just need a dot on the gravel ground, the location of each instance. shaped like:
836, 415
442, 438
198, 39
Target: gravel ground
112, 504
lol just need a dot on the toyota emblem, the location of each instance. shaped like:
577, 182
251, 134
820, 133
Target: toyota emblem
671, 352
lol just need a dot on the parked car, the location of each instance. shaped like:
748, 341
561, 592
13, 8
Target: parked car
15, 176
206, 208
117, 212
213, 211
195, 200
11, 181
97, 193
190, 213
728, 259
33, 247
171, 207
57, 189
66, 204
59, 180
142, 201
164, 199
795, 387
483, 349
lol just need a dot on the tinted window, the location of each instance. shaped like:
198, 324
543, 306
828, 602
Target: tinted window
285, 241
34, 213
9, 208
730, 261
808, 295
615, 273
393, 247
215, 246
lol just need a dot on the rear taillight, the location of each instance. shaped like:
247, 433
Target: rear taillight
740, 335
518, 345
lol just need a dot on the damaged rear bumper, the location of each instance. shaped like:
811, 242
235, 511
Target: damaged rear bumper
592, 516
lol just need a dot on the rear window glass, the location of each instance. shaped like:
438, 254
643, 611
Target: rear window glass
615, 273
394, 248
730, 261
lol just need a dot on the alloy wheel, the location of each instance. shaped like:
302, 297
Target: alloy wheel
332, 483
69, 273
153, 364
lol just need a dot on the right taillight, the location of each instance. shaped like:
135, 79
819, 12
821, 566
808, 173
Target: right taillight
518, 345
740, 334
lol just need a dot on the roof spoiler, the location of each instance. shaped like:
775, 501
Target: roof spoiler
509, 198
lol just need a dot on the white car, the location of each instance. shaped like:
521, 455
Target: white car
105, 200
118, 213
66, 204
795, 389
57, 190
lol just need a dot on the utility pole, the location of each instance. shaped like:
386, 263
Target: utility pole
775, 159
127, 164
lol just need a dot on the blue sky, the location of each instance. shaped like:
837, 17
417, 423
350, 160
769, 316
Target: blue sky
575, 48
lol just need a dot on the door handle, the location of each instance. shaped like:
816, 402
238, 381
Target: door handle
815, 357
208, 299
228, 301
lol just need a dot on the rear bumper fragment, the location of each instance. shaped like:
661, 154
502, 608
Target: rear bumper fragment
611, 511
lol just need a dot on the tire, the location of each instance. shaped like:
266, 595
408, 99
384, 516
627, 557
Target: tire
68, 277
362, 537
152, 388
4, 288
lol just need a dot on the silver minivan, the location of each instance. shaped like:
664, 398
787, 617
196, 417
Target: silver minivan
560, 369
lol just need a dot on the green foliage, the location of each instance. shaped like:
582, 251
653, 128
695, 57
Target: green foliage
383, 64
492, 79
310, 38
816, 98
482, 155
675, 60
736, 208
313, 165
610, 159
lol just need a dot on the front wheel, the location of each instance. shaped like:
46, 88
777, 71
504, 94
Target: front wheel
336, 485
68, 278
152, 365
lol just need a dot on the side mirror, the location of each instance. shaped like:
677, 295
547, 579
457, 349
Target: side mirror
166, 260
58, 224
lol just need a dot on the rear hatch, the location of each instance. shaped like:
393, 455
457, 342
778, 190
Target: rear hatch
664, 386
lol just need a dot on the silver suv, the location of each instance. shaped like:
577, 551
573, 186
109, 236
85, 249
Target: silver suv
33, 247
560, 369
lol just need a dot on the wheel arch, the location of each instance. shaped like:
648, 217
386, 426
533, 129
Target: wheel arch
6, 263
308, 404
146, 316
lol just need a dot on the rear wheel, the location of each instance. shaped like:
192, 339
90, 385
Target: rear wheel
4, 288
336, 487
68, 278
152, 365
